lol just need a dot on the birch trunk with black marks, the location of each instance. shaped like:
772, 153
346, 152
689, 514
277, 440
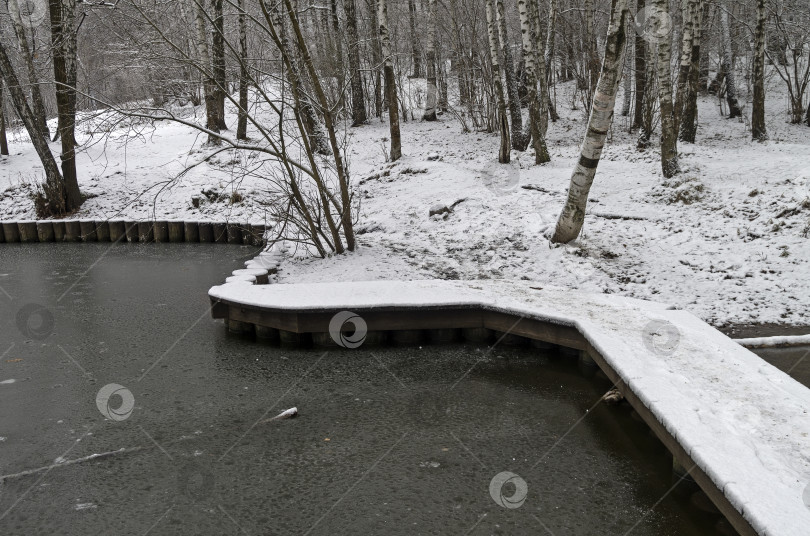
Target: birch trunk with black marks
430, 56
628, 73
669, 135
390, 80
548, 62
689, 119
244, 75
540, 66
535, 112
37, 104
3, 137
727, 63
209, 82
758, 130
640, 59
54, 184
416, 56
688, 8
572, 216
358, 97
218, 61
63, 40
648, 99
504, 153
519, 141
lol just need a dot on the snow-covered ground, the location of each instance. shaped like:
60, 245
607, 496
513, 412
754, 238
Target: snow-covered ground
727, 239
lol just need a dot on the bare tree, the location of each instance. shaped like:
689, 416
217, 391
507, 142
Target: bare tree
758, 130
536, 114
430, 54
669, 133
572, 216
504, 153
727, 63
355, 74
37, 104
390, 80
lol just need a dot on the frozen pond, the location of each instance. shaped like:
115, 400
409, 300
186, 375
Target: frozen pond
388, 441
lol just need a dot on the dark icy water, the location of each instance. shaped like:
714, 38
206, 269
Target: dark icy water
388, 441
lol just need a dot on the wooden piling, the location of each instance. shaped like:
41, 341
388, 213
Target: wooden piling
477, 335
146, 231
2, 234
45, 231
28, 231
132, 231
58, 230
443, 336
73, 231
11, 232
290, 339
234, 231
220, 232
264, 333
177, 231
406, 337
510, 339
117, 230
102, 231
191, 231
206, 232
88, 230
160, 231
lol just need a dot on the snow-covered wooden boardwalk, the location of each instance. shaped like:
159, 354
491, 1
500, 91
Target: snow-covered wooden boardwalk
741, 425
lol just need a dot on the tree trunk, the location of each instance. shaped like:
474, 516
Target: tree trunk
63, 41
628, 73
535, 113
549, 57
669, 136
416, 56
3, 138
689, 121
572, 216
56, 196
688, 8
640, 54
430, 54
209, 82
358, 98
591, 57
540, 67
390, 81
241, 127
504, 153
648, 99
727, 64
218, 61
703, 76
519, 141
758, 130
37, 106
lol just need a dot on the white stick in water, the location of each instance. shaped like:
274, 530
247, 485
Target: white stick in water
286, 414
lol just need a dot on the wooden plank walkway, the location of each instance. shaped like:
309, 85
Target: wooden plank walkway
740, 425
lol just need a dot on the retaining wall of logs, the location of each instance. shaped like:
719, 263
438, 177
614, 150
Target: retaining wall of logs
210, 232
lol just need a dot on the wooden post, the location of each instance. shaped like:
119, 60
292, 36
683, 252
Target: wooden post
102, 231
117, 230
73, 231
146, 231
11, 232
220, 232
58, 230
191, 231
177, 231
206, 232
88, 230
28, 231
45, 231
160, 231
132, 231
234, 233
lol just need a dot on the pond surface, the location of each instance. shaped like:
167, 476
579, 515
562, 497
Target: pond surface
388, 441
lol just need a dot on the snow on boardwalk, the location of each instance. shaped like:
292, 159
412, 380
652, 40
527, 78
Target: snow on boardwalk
744, 423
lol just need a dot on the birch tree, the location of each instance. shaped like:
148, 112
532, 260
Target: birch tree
519, 141
209, 82
669, 134
504, 153
727, 63
640, 60
37, 106
390, 80
430, 56
572, 216
689, 118
355, 74
758, 130
688, 8
535, 113
242, 121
